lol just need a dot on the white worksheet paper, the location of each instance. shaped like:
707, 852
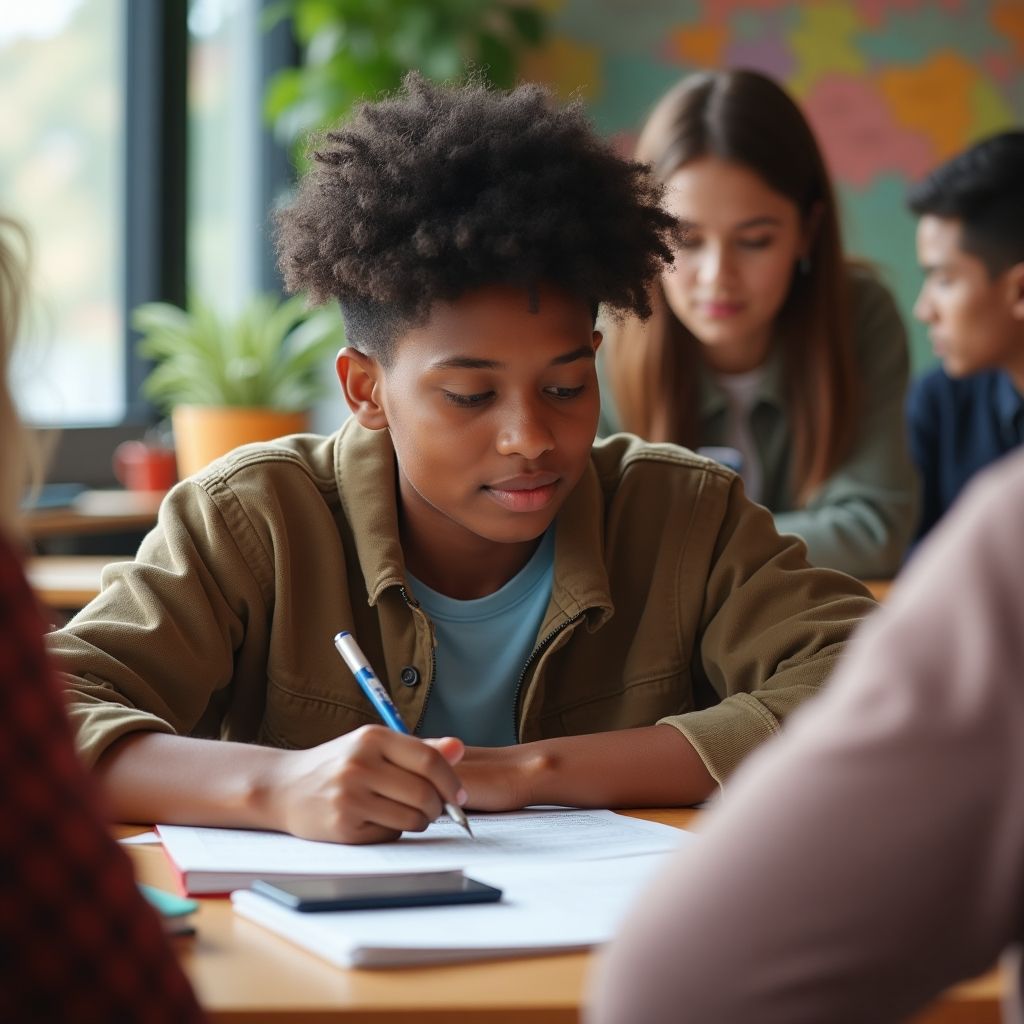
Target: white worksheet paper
533, 836
546, 907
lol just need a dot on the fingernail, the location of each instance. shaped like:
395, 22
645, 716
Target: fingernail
461, 797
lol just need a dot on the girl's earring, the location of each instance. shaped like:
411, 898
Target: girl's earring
804, 264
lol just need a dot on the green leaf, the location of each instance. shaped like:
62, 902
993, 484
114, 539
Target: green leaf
271, 354
359, 49
283, 91
528, 23
497, 60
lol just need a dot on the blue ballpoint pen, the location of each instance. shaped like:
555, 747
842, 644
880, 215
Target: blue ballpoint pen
381, 700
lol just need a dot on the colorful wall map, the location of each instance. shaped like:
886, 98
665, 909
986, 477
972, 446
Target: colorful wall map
892, 87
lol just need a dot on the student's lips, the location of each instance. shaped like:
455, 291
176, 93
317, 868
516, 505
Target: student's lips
721, 310
524, 493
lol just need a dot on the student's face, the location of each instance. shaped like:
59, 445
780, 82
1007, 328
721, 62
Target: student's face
735, 264
975, 320
493, 410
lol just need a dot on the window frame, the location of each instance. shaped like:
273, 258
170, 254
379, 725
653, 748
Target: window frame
155, 197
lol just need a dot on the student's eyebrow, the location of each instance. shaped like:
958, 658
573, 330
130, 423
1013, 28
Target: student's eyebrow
583, 352
471, 363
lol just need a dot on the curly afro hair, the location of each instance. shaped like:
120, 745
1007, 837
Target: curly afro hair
439, 190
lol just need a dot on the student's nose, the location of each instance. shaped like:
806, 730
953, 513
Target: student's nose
713, 264
525, 432
924, 308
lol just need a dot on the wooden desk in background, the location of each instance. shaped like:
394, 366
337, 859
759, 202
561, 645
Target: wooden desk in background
879, 588
96, 512
244, 974
67, 582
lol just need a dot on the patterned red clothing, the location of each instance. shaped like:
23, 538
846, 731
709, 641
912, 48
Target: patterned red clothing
77, 941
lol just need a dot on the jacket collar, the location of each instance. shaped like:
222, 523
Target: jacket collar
364, 468
770, 390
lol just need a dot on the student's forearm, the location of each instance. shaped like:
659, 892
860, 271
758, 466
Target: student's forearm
366, 786
650, 767
150, 777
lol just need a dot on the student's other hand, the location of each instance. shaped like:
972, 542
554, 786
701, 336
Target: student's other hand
497, 778
367, 786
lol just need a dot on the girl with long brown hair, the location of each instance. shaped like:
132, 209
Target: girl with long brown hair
766, 343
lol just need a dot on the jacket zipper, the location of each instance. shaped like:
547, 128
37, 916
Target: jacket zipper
433, 662
529, 661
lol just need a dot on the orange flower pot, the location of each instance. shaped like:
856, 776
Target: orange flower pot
203, 433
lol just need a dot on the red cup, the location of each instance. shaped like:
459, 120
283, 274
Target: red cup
143, 467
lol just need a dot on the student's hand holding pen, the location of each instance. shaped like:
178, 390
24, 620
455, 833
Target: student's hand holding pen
367, 786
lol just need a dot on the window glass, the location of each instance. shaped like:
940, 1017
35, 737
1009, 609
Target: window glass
61, 160
225, 228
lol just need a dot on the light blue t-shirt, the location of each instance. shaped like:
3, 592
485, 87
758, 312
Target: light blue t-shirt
482, 647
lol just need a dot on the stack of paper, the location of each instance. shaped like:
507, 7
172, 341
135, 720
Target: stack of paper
217, 860
568, 877
546, 908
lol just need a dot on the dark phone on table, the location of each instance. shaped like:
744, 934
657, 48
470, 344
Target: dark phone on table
366, 892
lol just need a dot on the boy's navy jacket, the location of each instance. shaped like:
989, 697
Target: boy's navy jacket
674, 599
957, 427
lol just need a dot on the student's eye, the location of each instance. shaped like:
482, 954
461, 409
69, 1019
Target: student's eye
467, 401
558, 392
756, 242
689, 240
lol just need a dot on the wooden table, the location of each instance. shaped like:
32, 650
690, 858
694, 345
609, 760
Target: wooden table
67, 582
96, 512
879, 588
245, 974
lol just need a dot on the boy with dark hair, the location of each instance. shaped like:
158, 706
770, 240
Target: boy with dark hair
605, 625
970, 243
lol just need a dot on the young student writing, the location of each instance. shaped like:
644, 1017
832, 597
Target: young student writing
77, 941
970, 243
764, 340
557, 622
874, 855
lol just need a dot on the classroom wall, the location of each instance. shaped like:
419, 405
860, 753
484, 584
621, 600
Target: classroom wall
892, 87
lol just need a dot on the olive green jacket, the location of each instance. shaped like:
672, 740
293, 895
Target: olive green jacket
674, 599
860, 520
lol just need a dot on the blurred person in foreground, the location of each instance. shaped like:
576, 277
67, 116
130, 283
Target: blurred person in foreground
77, 940
875, 854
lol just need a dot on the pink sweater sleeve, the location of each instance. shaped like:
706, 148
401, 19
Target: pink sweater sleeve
874, 854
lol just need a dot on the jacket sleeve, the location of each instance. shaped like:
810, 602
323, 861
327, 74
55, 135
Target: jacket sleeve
861, 518
157, 646
771, 631
875, 854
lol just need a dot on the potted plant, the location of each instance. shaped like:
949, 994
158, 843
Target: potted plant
360, 49
229, 381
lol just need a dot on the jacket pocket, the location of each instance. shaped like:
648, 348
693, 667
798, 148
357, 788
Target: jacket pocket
295, 719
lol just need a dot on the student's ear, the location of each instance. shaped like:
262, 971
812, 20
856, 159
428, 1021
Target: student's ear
598, 338
360, 376
1015, 284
